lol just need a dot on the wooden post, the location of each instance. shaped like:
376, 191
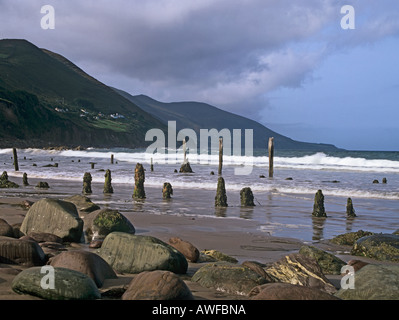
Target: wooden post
152, 166
112, 159
271, 156
220, 156
14, 151
184, 151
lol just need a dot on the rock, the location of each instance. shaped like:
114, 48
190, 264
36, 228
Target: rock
5, 229
221, 198
54, 216
186, 248
329, 263
350, 211
86, 262
100, 223
357, 264
157, 285
286, 291
228, 278
87, 179
68, 284
378, 246
247, 197
384, 180
5, 183
186, 168
296, 268
22, 252
107, 184
219, 256
83, 204
44, 237
133, 254
373, 282
26, 204
318, 207
376, 181
258, 268
42, 185
139, 178
348, 239
95, 244
167, 190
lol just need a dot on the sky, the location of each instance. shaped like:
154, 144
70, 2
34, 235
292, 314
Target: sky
291, 65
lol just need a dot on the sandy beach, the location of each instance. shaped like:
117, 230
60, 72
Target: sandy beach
239, 238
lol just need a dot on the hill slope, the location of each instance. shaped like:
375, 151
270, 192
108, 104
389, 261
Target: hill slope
50, 101
196, 115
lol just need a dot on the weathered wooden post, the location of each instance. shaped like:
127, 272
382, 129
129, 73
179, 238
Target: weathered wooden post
220, 156
184, 150
87, 183
318, 207
221, 197
167, 190
271, 156
139, 178
112, 159
152, 166
14, 151
350, 211
107, 185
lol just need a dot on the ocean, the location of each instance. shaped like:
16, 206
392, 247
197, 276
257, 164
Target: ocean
284, 203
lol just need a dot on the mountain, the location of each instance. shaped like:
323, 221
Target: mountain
196, 115
46, 100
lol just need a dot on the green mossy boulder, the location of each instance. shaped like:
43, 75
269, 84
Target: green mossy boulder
349, 239
328, 263
234, 279
5, 183
128, 253
68, 284
373, 282
378, 246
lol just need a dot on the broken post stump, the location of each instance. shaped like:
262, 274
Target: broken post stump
167, 190
14, 151
350, 211
139, 178
107, 184
112, 159
247, 197
318, 207
221, 197
25, 179
87, 183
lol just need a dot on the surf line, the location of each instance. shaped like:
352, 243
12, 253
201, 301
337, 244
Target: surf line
209, 138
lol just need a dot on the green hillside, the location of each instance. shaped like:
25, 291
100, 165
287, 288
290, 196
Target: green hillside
47, 100
196, 115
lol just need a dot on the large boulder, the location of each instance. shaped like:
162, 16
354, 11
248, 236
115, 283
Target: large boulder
128, 253
299, 269
86, 262
23, 252
286, 291
329, 263
98, 224
228, 278
378, 246
373, 282
54, 216
157, 285
67, 284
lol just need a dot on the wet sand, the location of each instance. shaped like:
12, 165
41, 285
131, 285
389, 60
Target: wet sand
240, 238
